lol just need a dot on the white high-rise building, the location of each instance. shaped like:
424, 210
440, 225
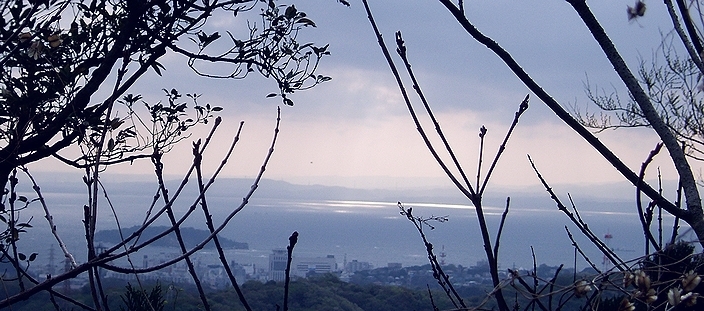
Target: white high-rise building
277, 265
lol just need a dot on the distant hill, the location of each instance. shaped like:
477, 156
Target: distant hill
191, 237
599, 196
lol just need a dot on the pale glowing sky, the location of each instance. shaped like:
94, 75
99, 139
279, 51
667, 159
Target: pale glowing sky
355, 130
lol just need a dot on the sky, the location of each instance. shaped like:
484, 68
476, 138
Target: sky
355, 130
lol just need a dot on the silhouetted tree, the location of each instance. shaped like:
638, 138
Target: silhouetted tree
67, 68
666, 99
665, 123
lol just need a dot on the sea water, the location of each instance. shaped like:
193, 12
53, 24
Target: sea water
371, 231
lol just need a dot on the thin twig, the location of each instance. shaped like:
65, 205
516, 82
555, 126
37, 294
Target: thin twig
646, 230
49, 218
675, 223
467, 192
438, 273
432, 301
501, 229
582, 226
584, 256
659, 209
245, 201
521, 109
158, 169
292, 240
482, 134
209, 222
552, 285
122, 237
401, 50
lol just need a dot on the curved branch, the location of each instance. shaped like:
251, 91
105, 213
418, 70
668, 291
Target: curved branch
468, 192
691, 29
693, 52
521, 109
50, 218
577, 221
245, 201
401, 50
646, 230
559, 111
694, 214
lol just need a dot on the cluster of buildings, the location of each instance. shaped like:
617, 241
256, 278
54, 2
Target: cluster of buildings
215, 275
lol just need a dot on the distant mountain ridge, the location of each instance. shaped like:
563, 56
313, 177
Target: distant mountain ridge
615, 194
191, 237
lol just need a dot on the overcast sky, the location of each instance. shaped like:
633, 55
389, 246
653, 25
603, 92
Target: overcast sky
355, 130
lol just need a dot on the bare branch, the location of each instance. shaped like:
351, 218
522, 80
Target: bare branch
521, 109
617, 262
469, 192
649, 239
49, 218
555, 106
292, 240
401, 50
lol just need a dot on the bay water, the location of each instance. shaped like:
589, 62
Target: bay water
365, 230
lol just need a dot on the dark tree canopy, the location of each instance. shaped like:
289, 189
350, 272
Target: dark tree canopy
66, 71
56, 56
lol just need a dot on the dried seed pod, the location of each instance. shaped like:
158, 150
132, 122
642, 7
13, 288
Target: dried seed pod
642, 281
36, 50
626, 305
628, 279
690, 299
25, 36
581, 288
690, 281
674, 296
651, 296
54, 40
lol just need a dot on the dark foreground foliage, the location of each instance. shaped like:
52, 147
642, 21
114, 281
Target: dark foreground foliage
319, 293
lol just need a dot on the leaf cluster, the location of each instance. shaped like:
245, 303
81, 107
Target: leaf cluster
56, 56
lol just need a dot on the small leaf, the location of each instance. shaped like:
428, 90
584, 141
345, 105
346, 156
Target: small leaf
22, 256
271, 95
156, 68
207, 39
290, 12
22, 199
33, 256
115, 123
321, 50
306, 22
